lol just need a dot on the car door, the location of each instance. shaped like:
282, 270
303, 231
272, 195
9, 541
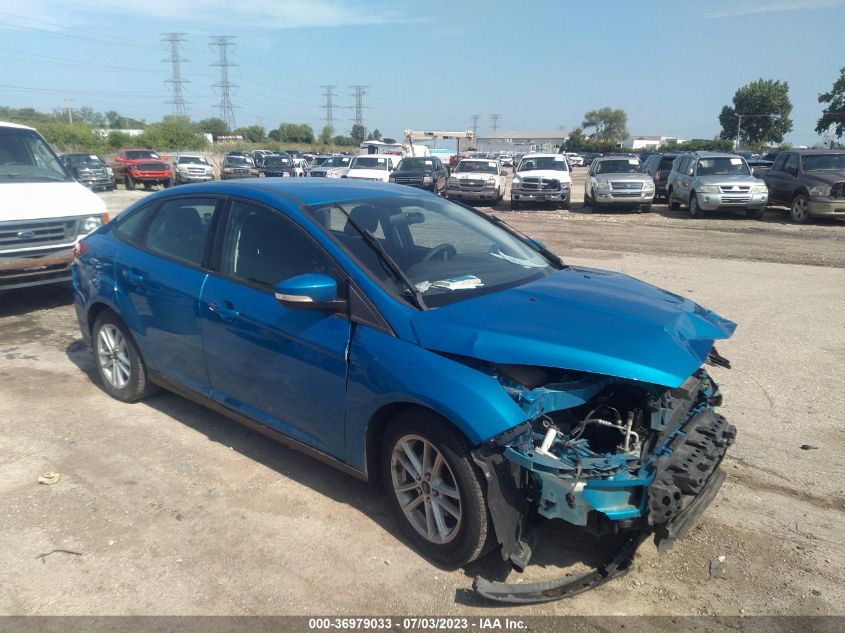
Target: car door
685, 179
774, 178
284, 367
788, 179
159, 277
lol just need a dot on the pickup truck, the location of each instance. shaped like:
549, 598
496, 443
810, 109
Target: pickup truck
141, 166
810, 182
43, 211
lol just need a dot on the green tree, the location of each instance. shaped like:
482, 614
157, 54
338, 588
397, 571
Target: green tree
610, 125
833, 116
116, 140
760, 112
576, 141
214, 126
293, 133
252, 133
326, 135
375, 135
173, 132
72, 137
359, 133
345, 141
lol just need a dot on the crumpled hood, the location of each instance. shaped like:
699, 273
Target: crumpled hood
580, 319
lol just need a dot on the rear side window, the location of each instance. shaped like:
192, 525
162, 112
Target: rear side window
129, 228
179, 229
666, 163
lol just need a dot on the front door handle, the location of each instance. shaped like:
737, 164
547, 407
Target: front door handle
133, 277
224, 311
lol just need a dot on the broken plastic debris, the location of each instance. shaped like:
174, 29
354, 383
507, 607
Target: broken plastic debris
49, 478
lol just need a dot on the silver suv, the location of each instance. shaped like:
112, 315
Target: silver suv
618, 181
707, 181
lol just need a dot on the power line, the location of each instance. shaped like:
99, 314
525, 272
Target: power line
227, 110
475, 118
328, 94
174, 40
494, 121
359, 94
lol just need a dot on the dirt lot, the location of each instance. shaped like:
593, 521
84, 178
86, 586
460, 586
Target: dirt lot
167, 508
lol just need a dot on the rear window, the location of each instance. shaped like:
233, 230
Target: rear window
666, 163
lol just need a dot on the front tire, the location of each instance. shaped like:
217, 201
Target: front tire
514, 205
122, 370
435, 489
755, 214
129, 183
695, 211
799, 209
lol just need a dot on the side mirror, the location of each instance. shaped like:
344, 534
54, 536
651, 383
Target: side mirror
309, 292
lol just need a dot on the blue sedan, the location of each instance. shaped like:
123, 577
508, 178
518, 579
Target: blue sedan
420, 344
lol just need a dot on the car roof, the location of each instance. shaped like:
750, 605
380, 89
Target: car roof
815, 151
306, 191
602, 159
15, 125
715, 154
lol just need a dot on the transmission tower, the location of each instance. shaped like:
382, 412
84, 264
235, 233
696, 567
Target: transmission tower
329, 107
494, 121
475, 118
174, 40
222, 43
359, 94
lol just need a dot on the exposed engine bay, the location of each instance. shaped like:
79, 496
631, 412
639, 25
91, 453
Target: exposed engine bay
609, 454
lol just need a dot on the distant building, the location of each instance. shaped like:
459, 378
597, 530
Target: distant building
521, 141
104, 132
650, 142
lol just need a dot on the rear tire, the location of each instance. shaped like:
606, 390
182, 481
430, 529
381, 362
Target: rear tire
798, 210
122, 370
427, 467
674, 205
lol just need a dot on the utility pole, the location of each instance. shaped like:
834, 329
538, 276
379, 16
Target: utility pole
359, 94
227, 110
174, 40
475, 118
494, 121
69, 101
328, 93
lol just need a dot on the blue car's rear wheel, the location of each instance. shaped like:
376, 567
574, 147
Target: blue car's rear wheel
121, 368
435, 489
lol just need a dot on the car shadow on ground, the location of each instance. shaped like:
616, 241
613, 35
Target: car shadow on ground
559, 545
22, 300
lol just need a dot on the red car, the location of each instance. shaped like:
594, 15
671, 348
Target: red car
141, 166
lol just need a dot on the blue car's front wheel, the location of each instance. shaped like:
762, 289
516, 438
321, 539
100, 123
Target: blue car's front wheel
436, 490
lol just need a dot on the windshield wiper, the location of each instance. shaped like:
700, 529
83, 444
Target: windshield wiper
385, 257
528, 240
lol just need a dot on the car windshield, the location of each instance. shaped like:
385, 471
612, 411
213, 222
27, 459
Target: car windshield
137, 154
369, 162
25, 157
336, 161
477, 166
448, 252
192, 160
824, 162
416, 164
553, 163
277, 161
238, 160
81, 159
620, 166
722, 166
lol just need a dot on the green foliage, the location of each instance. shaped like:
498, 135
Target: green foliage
116, 140
359, 133
116, 121
25, 116
576, 141
345, 141
214, 126
326, 135
64, 137
375, 135
293, 133
765, 108
700, 145
610, 125
173, 132
253, 133
833, 116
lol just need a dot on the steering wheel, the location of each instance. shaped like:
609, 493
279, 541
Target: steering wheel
443, 251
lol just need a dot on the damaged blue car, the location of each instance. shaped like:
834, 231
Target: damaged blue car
422, 345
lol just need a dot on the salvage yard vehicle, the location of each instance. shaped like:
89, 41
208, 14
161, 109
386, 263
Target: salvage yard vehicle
277, 166
236, 166
658, 165
541, 178
140, 167
375, 167
618, 181
332, 167
710, 181
477, 179
43, 211
90, 170
810, 182
426, 172
191, 168
416, 342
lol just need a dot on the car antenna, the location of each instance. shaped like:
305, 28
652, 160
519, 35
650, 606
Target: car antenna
385, 257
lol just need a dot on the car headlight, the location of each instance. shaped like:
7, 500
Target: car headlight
516, 182
109, 170
333, 174
427, 180
391, 178
490, 182
94, 221
601, 183
454, 182
708, 189
648, 185
759, 189
820, 191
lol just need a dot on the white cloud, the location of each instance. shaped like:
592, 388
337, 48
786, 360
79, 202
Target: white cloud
256, 14
755, 7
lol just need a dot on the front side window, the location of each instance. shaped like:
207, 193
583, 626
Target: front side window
824, 162
448, 253
263, 248
179, 229
25, 157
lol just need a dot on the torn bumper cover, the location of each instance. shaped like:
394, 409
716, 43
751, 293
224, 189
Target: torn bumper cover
652, 470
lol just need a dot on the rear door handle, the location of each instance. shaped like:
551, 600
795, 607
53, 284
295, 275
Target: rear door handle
133, 277
224, 311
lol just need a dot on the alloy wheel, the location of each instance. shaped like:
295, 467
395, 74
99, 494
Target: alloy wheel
113, 356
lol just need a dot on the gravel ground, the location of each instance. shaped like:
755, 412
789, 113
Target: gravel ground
171, 509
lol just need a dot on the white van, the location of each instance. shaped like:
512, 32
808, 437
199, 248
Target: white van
373, 166
43, 211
